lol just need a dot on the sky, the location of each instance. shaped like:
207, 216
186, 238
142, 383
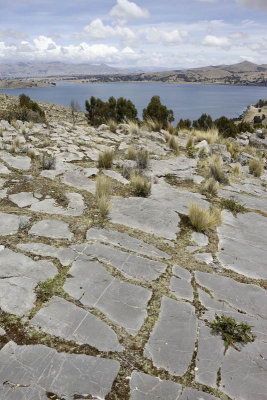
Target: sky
134, 34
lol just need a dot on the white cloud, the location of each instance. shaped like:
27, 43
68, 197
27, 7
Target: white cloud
97, 30
254, 3
12, 33
154, 34
126, 10
216, 41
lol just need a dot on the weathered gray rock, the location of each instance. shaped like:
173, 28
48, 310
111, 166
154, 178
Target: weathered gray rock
172, 341
145, 214
79, 181
62, 318
244, 374
181, 289
19, 276
51, 228
193, 394
182, 273
115, 175
200, 239
129, 264
209, 357
243, 244
23, 199
251, 202
123, 303
28, 372
17, 162
2, 331
125, 241
244, 158
65, 255
176, 166
146, 387
246, 297
4, 169
204, 257
10, 223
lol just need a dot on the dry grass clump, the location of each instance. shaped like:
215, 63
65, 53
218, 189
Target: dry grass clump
103, 192
140, 186
112, 125
131, 153
142, 158
216, 170
202, 219
202, 153
171, 129
211, 135
233, 149
105, 159
255, 167
152, 125
237, 169
210, 187
173, 144
31, 154
133, 127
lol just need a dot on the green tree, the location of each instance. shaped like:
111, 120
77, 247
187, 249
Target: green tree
184, 124
158, 112
226, 127
203, 123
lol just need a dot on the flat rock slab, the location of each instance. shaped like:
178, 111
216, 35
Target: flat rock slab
28, 372
172, 341
199, 239
182, 273
175, 166
2, 332
17, 162
23, 199
193, 394
251, 202
176, 199
249, 298
64, 319
146, 215
79, 181
64, 254
147, 387
75, 206
115, 175
10, 223
209, 357
123, 303
243, 244
19, 275
244, 374
51, 228
129, 264
4, 169
125, 241
181, 289
204, 257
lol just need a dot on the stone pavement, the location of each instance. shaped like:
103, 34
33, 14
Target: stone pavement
120, 309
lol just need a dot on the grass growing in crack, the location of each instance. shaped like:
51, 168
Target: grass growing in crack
202, 219
103, 192
216, 170
210, 187
173, 144
232, 205
52, 287
105, 159
142, 158
231, 331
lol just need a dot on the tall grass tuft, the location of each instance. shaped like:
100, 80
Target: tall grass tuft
202, 219
173, 144
105, 159
216, 170
255, 167
103, 192
140, 186
211, 135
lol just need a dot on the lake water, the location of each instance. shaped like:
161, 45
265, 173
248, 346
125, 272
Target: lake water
187, 101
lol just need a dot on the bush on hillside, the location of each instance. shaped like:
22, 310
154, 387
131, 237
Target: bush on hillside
203, 123
183, 124
98, 111
158, 112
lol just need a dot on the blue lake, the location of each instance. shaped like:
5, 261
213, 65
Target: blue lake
187, 101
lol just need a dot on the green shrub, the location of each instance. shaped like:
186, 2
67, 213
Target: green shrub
232, 205
231, 331
203, 123
158, 112
184, 124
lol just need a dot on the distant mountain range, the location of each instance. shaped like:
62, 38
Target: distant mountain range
244, 73
53, 69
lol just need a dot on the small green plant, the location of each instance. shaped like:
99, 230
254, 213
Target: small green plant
232, 205
105, 159
255, 167
202, 219
231, 331
140, 186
